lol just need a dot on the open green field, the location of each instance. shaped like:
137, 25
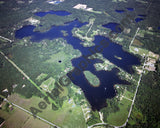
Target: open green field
2, 2
47, 60
69, 116
48, 84
118, 118
60, 59
128, 94
21, 119
33, 62
139, 51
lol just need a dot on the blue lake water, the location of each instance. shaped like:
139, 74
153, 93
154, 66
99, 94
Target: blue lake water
59, 13
142, 15
130, 9
120, 11
139, 19
57, 2
112, 26
96, 96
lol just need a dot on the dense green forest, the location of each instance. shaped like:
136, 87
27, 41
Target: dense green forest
40, 56
14, 14
146, 112
151, 42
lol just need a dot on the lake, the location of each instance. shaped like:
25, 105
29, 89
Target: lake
59, 13
120, 11
96, 96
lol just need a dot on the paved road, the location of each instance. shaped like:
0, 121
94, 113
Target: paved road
134, 37
134, 94
88, 126
90, 28
140, 77
27, 77
15, 66
6, 39
127, 98
30, 113
98, 124
31, 82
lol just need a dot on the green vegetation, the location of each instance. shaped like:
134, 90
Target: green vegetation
70, 115
23, 119
139, 51
64, 33
34, 59
1, 2
48, 84
46, 61
150, 41
98, 12
118, 118
146, 112
92, 79
117, 57
41, 77
94, 118
136, 115
116, 111
128, 94
3, 40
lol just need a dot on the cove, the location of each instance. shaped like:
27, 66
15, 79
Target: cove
139, 19
59, 13
120, 11
130, 9
112, 27
96, 96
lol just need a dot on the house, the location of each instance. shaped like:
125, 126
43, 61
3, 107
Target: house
150, 64
150, 68
80, 6
55, 1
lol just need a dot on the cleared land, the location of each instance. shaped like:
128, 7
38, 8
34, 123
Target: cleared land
21, 119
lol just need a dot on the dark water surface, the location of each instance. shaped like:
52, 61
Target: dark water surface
120, 11
112, 26
59, 13
130, 9
96, 96
139, 19
142, 15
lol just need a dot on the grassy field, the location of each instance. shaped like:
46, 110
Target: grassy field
58, 56
136, 42
119, 118
48, 84
69, 116
128, 94
139, 51
21, 119
41, 77
137, 115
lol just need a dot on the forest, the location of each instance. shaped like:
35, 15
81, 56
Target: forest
146, 112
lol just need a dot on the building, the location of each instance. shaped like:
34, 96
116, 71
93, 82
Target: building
55, 1
80, 6
150, 64
33, 21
